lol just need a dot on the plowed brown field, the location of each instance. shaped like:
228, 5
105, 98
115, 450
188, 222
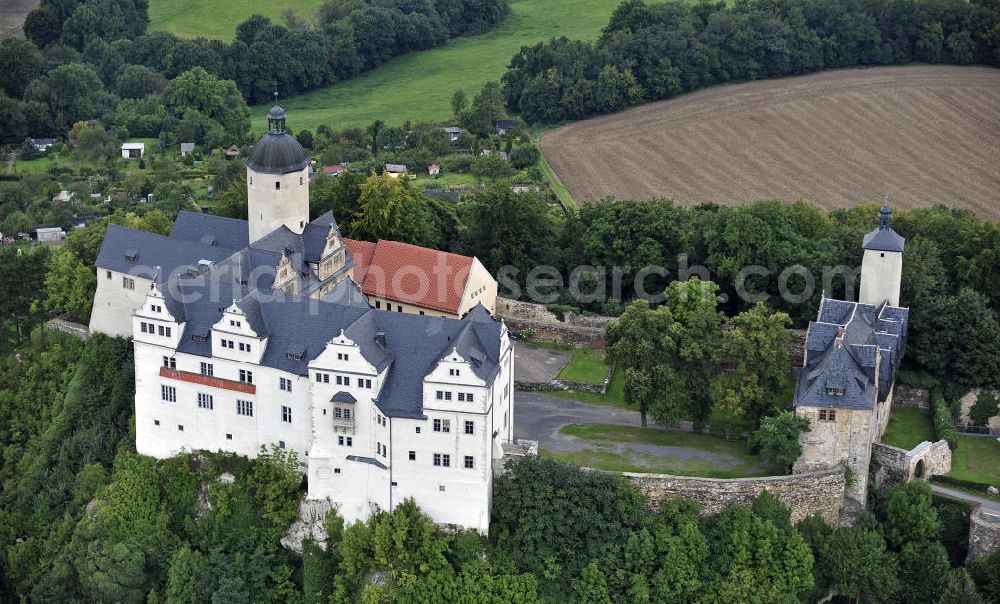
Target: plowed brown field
924, 135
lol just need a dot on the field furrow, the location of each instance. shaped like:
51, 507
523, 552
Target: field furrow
922, 134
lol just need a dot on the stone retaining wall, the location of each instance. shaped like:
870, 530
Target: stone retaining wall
984, 532
820, 492
908, 396
66, 326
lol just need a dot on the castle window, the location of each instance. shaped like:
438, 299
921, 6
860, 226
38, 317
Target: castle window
156, 422
413, 456
336, 470
207, 369
286, 414
128, 283
109, 274
285, 384
244, 408
277, 185
827, 415
180, 428
170, 362
442, 425
246, 376
229, 437
300, 180
205, 401
469, 462
168, 393
454, 372
470, 427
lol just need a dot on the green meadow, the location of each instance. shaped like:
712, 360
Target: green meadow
418, 86
217, 19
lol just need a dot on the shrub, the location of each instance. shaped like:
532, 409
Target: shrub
987, 405
918, 379
944, 425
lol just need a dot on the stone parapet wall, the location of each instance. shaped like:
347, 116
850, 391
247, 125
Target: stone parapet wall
539, 323
892, 465
908, 396
820, 492
984, 532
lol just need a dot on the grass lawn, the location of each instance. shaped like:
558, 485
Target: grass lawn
587, 365
418, 86
976, 459
614, 397
217, 19
737, 458
908, 428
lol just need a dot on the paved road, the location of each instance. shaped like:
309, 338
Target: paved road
989, 504
539, 417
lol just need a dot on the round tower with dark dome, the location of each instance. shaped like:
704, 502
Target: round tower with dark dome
277, 179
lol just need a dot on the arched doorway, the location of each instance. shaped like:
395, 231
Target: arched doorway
918, 472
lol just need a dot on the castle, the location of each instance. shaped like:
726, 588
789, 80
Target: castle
263, 332
852, 353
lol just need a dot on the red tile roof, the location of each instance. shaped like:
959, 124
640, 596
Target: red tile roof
410, 274
334, 169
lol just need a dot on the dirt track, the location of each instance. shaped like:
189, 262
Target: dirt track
924, 135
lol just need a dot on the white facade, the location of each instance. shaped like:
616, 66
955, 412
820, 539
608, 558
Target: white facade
118, 295
881, 277
277, 199
443, 457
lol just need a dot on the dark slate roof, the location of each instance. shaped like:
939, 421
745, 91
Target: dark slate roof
277, 154
836, 368
842, 349
228, 233
343, 397
368, 460
349, 293
151, 251
885, 239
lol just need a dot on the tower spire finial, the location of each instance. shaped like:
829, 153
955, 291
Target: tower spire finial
275, 84
885, 214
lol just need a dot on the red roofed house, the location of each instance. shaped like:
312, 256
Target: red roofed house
433, 169
334, 170
407, 278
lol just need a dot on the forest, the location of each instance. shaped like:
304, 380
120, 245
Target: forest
656, 51
93, 59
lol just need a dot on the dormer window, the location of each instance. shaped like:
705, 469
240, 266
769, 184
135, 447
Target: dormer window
835, 392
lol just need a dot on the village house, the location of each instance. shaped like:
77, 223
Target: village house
453, 133
434, 169
133, 150
395, 170
187, 149
502, 127
334, 170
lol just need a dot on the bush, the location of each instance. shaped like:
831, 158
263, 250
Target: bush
944, 425
987, 405
918, 379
